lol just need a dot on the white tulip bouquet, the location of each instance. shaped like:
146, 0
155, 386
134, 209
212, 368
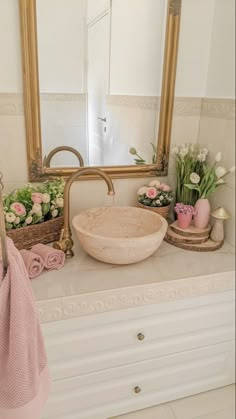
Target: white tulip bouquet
212, 177
190, 159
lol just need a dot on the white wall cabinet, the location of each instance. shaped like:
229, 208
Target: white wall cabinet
165, 352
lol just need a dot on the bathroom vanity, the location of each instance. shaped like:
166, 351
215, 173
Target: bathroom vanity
124, 338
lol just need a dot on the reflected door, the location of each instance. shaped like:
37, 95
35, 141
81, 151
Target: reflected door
98, 79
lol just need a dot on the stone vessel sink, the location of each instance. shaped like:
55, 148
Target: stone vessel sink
120, 235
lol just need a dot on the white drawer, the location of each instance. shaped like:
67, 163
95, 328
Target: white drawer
81, 346
111, 392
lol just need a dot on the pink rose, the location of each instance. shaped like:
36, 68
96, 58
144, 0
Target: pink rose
18, 209
151, 193
37, 198
164, 187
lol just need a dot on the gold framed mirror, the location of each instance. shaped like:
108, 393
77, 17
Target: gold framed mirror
37, 168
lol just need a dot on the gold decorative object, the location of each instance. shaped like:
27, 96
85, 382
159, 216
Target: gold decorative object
65, 242
56, 150
217, 232
38, 172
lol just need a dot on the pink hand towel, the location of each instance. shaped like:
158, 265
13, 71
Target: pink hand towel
24, 375
33, 263
52, 258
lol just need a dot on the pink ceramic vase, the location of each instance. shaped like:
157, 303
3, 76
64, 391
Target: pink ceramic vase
184, 220
203, 210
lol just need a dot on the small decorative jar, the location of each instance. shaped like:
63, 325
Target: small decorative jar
184, 214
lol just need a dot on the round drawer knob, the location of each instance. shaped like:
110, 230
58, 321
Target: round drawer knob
137, 390
141, 336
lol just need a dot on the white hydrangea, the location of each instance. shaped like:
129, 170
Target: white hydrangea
142, 190
60, 202
46, 198
29, 220
37, 209
155, 183
10, 217
54, 213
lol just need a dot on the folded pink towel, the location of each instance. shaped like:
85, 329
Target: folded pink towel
52, 258
24, 376
33, 263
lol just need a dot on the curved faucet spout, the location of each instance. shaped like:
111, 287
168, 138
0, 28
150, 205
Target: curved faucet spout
56, 150
66, 243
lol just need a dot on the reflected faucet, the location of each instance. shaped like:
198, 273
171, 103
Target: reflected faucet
65, 242
56, 150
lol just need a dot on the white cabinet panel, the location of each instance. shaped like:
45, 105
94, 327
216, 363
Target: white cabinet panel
98, 342
111, 392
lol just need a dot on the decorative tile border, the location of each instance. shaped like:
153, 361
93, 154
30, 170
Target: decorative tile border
143, 102
218, 108
63, 97
183, 106
187, 106
112, 300
11, 104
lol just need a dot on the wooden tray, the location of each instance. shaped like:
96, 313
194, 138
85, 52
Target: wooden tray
190, 239
208, 246
191, 231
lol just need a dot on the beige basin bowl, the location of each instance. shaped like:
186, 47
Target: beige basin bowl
120, 235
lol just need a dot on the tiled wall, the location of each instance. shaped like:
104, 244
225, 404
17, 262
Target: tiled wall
217, 132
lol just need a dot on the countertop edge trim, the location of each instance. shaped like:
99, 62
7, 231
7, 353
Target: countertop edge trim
68, 307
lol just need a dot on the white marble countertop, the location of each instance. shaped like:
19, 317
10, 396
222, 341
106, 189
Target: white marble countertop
86, 286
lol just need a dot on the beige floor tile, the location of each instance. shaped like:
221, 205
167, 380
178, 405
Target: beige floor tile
223, 414
205, 404
158, 412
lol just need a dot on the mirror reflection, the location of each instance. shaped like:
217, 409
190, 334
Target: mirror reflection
100, 71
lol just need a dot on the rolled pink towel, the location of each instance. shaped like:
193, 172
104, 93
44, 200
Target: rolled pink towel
52, 258
33, 263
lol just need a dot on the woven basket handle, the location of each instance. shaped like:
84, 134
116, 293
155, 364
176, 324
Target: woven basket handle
3, 231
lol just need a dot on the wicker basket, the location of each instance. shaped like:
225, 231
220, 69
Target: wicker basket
47, 232
163, 211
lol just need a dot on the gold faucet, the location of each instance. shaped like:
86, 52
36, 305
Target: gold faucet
56, 150
65, 242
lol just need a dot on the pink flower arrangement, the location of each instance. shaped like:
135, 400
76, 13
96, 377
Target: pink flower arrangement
152, 193
34, 204
18, 209
156, 194
37, 198
184, 209
164, 187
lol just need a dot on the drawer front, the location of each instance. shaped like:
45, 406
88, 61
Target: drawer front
140, 385
74, 349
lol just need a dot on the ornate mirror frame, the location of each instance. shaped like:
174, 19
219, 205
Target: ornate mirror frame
37, 172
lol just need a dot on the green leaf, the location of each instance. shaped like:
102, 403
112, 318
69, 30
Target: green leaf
192, 187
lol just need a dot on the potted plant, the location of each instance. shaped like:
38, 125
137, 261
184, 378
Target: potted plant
205, 185
185, 214
156, 197
34, 214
